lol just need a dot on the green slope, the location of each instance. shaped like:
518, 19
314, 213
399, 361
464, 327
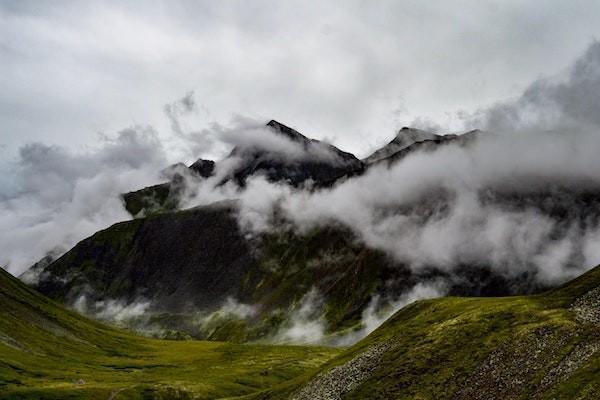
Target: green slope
545, 346
47, 352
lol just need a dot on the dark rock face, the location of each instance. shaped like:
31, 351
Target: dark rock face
191, 259
330, 163
165, 196
152, 199
204, 168
195, 259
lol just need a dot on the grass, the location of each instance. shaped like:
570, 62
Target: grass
439, 343
52, 353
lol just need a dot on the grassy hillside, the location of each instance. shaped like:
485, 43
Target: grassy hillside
47, 352
527, 347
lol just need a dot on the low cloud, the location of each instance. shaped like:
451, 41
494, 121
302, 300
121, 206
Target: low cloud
379, 310
112, 310
455, 206
58, 197
305, 323
237, 309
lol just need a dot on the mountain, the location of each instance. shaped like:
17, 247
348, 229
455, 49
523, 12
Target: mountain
190, 263
203, 168
424, 142
190, 267
316, 163
528, 347
166, 196
48, 352
196, 272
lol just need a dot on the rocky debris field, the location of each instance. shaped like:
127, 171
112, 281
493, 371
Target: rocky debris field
507, 371
587, 307
331, 385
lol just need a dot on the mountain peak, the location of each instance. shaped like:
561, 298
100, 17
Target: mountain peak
404, 138
285, 130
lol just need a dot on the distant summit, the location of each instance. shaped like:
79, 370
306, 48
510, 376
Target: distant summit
404, 138
319, 163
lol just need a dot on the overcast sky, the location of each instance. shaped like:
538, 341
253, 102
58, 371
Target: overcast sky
351, 72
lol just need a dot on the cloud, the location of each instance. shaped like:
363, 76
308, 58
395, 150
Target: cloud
112, 310
305, 323
561, 104
378, 310
58, 197
431, 209
513, 201
235, 308
337, 70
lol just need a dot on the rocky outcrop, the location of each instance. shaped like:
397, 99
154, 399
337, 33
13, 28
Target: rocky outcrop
203, 168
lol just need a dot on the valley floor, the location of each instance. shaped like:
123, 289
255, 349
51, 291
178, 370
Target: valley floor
47, 352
